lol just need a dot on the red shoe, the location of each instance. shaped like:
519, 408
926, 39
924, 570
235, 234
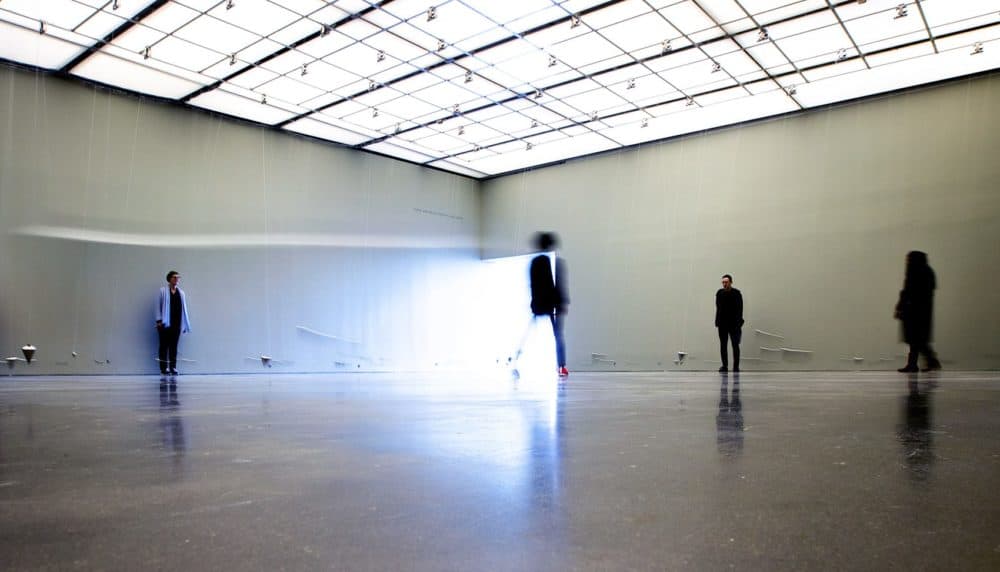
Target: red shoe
563, 372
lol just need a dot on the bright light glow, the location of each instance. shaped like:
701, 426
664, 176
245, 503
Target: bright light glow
626, 63
30, 47
130, 75
326, 131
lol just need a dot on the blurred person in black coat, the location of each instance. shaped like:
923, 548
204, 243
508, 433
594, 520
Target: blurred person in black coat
548, 292
915, 310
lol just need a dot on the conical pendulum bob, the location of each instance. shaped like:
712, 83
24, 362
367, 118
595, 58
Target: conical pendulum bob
29, 352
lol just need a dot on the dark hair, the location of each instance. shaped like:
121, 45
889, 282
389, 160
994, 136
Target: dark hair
730, 276
546, 240
171, 274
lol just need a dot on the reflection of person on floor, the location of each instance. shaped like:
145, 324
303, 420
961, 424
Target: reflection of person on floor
172, 424
548, 292
915, 310
171, 320
729, 321
729, 422
915, 431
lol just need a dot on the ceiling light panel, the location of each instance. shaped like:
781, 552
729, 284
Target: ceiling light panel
453, 22
394, 150
769, 11
290, 90
944, 16
882, 30
840, 68
618, 13
452, 166
261, 18
691, 21
583, 50
727, 13
66, 14
28, 46
330, 78
216, 35
316, 128
536, 19
105, 68
506, 12
641, 32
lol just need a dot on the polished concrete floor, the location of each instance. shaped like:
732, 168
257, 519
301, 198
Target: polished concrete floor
666, 471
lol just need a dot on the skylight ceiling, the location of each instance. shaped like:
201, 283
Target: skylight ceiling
484, 87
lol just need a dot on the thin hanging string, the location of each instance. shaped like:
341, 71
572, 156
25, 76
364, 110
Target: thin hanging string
86, 214
267, 243
9, 146
671, 228
125, 211
694, 234
610, 255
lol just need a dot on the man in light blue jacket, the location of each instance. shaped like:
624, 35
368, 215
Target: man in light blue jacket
171, 320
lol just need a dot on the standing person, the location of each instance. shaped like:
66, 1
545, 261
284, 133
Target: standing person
171, 320
548, 292
729, 321
915, 310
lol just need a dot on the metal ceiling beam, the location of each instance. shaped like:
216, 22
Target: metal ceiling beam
126, 26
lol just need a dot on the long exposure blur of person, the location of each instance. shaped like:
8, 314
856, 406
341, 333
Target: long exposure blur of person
915, 310
171, 321
729, 321
548, 292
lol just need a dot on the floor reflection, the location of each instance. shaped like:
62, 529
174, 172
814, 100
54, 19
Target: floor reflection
171, 425
914, 433
729, 421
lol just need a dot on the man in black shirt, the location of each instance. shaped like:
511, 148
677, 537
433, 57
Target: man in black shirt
729, 321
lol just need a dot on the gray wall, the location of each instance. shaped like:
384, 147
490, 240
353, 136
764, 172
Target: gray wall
812, 214
101, 194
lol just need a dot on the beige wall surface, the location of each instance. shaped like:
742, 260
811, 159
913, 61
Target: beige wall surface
812, 214
101, 194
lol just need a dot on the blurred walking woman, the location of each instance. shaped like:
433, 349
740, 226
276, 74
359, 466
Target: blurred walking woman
171, 320
915, 310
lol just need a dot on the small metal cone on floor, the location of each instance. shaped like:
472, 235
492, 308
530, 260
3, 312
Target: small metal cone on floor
29, 352
265, 361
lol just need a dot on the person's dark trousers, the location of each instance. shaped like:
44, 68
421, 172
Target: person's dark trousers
558, 321
725, 334
169, 337
929, 355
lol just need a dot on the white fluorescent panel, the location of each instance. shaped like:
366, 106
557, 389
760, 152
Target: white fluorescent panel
66, 14
883, 29
295, 31
224, 101
288, 61
737, 64
693, 75
583, 50
505, 52
323, 46
328, 77
556, 151
615, 14
396, 47
641, 32
966, 41
184, 54
289, 89
597, 100
534, 19
443, 143
305, 7
454, 22
510, 123
261, 18
406, 9
504, 12
137, 38
334, 121
216, 35
30, 47
126, 74
768, 11
948, 64
408, 107
804, 46
445, 94
254, 77
393, 150
450, 165
899, 54
315, 128
100, 24
690, 20
721, 96
841, 68
361, 60
484, 39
